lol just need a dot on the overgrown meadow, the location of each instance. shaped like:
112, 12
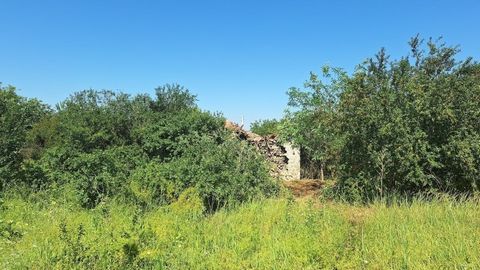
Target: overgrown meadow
106, 180
265, 234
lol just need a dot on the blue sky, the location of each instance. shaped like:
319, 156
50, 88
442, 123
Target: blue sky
239, 57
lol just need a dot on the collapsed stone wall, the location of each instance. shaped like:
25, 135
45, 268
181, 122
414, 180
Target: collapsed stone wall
285, 159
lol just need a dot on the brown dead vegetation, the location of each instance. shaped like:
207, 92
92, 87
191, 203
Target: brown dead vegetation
305, 187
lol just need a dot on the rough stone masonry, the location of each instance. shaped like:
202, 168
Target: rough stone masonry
285, 158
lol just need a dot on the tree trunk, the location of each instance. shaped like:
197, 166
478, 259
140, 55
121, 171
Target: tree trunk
321, 172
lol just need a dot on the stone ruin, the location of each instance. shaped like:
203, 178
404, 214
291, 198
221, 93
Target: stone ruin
285, 158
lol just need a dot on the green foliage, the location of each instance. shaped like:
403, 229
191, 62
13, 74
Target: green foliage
174, 98
95, 176
150, 184
269, 234
17, 116
91, 120
407, 126
227, 171
265, 127
401, 122
189, 204
311, 119
166, 135
10, 231
103, 174
102, 145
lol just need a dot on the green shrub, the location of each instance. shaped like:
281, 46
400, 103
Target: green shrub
229, 171
95, 176
90, 120
103, 174
9, 230
188, 204
410, 126
222, 169
407, 126
166, 135
17, 116
150, 184
100, 145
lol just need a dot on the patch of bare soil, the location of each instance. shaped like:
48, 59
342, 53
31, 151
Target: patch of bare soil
305, 187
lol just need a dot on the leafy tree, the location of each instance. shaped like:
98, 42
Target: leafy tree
174, 98
310, 120
103, 174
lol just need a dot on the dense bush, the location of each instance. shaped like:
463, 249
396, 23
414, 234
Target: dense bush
151, 184
90, 120
226, 171
404, 126
222, 169
412, 127
104, 144
165, 136
103, 174
17, 116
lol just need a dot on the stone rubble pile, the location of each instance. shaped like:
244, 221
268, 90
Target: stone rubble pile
269, 146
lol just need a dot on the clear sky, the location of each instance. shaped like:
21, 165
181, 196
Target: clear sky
239, 57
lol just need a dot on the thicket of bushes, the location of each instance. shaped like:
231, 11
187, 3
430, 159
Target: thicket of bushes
405, 126
105, 145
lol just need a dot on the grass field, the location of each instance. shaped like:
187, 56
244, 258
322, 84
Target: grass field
270, 234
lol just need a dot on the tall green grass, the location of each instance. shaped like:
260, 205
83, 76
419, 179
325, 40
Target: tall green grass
268, 234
